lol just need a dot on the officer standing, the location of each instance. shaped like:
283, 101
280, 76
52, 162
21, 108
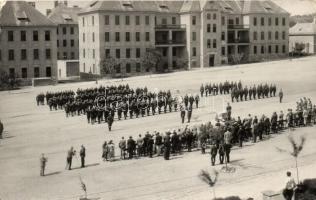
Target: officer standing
110, 122
229, 111
197, 99
189, 113
213, 152
71, 152
122, 146
227, 140
43, 161
82, 156
130, 147
281, 95
1, 129
167, 146
202, 90
182, 112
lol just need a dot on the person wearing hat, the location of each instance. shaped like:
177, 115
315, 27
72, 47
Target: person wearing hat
281, 95
182, 113
167, 146
1, 129
213, 152
130, 147
43, 161
158, 143
71, 152
289, 187
82, 155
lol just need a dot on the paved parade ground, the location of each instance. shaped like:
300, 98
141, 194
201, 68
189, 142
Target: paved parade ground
31, 130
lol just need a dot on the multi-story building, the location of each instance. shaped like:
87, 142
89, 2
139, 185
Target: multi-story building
66, 18
199, 33
27, 41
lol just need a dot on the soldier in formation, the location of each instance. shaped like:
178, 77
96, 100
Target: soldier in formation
103, 103
238, 93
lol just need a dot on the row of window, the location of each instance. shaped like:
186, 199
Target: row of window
64, 43
65, 55
264, 50
24, 54
262, 35
118, 20
117, 35
23, 36
118, 68
263, 21
64, 30
36, 72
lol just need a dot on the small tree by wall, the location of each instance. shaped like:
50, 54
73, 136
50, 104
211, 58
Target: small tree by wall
152, 60
8, 82
108, 66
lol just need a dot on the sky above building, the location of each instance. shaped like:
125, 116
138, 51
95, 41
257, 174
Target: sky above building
295, 7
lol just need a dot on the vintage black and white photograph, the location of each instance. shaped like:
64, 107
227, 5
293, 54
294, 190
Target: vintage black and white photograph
158, 100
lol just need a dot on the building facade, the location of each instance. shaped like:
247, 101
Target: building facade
66, 19
193, 33
305, 34
27, 42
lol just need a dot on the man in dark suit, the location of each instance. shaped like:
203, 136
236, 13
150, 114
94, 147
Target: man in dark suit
130, 147
82, 155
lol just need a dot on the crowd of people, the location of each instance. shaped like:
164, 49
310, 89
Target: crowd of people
104, 104
219, 137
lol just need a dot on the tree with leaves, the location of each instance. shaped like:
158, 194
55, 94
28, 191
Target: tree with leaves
237, 58
108, 65
8, 81
207, 178
152, 60
296, 150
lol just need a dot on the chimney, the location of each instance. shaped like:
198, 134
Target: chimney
48, 11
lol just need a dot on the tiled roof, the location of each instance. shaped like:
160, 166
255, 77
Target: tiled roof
262, 7
147, 6
303, 29
179, 6
20, 13
64, 15
191, 6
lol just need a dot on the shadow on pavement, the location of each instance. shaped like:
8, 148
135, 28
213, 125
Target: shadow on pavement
52, 173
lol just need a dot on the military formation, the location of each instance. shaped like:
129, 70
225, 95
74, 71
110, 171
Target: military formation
209, 89
104, 104
261, 91
239, 92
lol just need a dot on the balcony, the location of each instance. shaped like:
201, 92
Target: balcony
235, 26
238, 41
170, 26
171, 42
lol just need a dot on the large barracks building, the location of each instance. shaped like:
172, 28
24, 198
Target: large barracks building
202, 33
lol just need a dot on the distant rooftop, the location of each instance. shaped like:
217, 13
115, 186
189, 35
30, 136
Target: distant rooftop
20, 13
64, 15
304, 28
